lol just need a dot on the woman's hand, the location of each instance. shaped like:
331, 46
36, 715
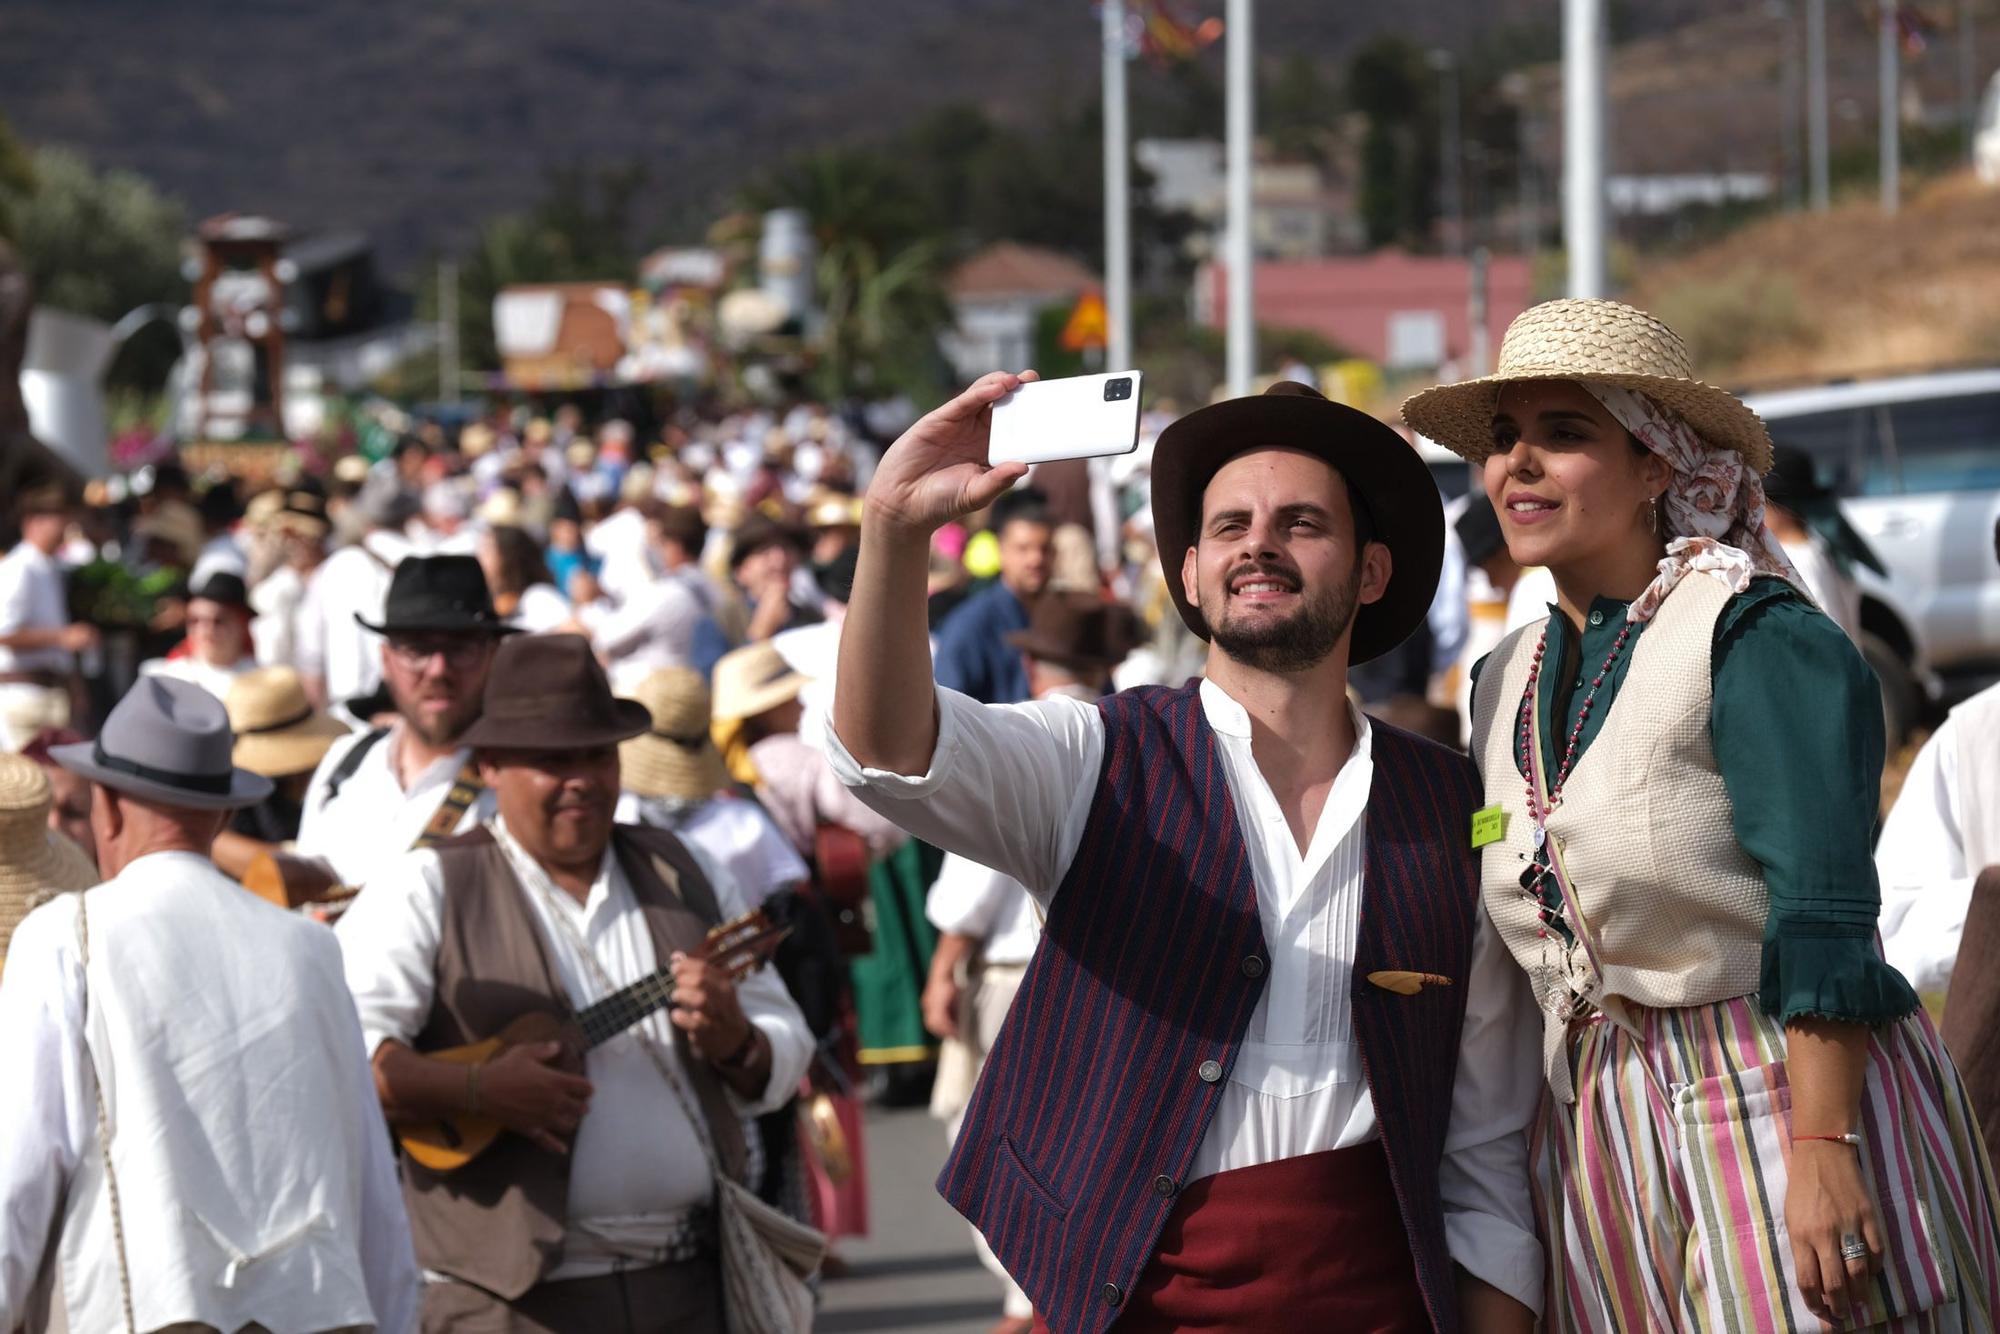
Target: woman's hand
937, 470
1826, 1203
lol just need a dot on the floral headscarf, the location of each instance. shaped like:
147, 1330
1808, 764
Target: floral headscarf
1714, 503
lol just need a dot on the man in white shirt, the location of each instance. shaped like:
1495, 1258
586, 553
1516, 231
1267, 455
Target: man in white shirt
38, 641
218, 637
653, 623
1165, 1133
593, 1213
338, 655
189, 1138
391, 788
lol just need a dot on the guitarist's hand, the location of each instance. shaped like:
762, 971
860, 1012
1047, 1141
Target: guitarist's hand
706, 1009
525, 1089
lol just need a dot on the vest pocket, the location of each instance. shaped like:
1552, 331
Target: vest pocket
1013, 1176
1732, 1133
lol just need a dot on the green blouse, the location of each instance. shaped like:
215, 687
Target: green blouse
1797, 730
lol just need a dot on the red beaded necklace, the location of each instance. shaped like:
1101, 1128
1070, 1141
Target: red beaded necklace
1537, 812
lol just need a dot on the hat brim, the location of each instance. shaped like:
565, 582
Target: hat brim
293, 750
653, 766
1063, 655
441, 625
1460, 416
1379, 467
763, 698
629, 718
245, 788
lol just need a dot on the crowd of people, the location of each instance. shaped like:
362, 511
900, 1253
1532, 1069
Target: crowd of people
611, 816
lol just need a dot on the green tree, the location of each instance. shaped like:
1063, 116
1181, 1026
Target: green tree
1390, 84
17, 177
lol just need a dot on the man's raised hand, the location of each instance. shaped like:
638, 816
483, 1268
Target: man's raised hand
937, 470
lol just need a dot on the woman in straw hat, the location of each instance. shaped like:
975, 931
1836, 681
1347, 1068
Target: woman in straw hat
1749, 1122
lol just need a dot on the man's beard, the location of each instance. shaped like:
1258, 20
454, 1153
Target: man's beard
442, 730
1298, 641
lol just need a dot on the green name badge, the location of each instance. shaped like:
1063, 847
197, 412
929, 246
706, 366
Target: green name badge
1489, 825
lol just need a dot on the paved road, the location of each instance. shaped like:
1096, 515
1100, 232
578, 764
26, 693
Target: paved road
916, 1272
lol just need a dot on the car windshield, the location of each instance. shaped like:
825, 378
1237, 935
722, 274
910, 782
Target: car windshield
1913, 446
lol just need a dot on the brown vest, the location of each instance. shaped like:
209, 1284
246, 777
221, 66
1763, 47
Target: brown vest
498, 1221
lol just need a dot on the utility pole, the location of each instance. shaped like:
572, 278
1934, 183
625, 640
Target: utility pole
1816, 151
1117, 193
1451, 198
1477, 349
1242, 112
447, 333
1584, 222
1889, 77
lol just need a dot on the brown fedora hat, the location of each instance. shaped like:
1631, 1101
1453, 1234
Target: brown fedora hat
1382, 471
547, 692
1077, 630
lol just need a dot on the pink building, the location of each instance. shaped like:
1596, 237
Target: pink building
1402, 311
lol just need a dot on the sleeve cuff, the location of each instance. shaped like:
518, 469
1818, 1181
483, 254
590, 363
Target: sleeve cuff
1826, 975
904, 787
1496, 1252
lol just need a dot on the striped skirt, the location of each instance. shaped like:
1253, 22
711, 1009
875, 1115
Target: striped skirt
1661, 1190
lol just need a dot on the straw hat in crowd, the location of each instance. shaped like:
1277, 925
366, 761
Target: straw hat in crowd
278, 731
35, 861
677, 757
1590, 341
752, 680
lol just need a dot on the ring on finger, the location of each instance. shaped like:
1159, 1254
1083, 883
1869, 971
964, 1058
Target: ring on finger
1853, 1248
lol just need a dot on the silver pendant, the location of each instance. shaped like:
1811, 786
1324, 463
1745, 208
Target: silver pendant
1541, 835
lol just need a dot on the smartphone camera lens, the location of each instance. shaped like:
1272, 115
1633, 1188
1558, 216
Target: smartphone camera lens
1117, 390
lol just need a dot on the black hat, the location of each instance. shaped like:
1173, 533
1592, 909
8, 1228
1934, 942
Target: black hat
438, 593
1382, 471
1792, 481
1079, 630
224, 586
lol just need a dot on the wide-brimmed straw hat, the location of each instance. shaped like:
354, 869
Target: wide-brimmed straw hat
548, 692
278, 731
1591, 342
34, 860
677, 756
167, 741
752, 680
1380, 468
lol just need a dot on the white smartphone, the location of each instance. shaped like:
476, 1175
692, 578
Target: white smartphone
1080, 417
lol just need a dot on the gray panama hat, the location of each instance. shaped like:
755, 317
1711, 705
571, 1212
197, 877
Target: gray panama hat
167, 741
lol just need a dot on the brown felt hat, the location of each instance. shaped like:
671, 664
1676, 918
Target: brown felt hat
547, 692
1383, 473
1078, 630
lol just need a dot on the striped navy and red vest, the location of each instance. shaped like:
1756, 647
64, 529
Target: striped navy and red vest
1104, 1077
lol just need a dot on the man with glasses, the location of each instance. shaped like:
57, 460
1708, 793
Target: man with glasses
383, 792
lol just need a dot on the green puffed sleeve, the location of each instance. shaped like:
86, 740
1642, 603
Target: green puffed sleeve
1797, 728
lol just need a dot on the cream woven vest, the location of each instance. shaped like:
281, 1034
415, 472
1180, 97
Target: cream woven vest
1674, 906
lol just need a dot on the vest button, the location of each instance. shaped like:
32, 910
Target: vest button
1112, 1294
1253, 967
1597, 618
1163, 1186
1210, 1072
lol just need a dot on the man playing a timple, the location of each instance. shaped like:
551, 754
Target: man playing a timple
1268, 1068
595, 1213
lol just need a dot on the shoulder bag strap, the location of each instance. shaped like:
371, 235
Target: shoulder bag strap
350, 763
103, 1120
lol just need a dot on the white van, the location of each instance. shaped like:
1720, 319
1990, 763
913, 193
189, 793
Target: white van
1916, 460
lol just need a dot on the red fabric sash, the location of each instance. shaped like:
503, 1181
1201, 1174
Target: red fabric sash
1304, 1243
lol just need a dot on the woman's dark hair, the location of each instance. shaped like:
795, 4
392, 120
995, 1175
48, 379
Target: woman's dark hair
521, 563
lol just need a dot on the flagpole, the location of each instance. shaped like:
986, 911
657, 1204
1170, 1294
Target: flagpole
1583, 145
1117, 192
1238, 258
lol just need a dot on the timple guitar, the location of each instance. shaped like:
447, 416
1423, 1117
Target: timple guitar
449, 1143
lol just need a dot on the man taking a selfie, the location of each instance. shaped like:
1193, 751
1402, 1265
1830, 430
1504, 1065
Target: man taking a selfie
1269, 1067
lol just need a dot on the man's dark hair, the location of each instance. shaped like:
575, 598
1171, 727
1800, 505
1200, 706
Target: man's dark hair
1024, 504
683, 525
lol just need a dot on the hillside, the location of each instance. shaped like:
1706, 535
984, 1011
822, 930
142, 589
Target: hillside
1847, 293
415, 122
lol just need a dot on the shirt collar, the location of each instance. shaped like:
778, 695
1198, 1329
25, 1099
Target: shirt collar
446, 768
529, 869
1230, 718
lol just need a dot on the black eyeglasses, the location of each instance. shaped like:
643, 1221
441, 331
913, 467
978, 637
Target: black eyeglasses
416, 651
